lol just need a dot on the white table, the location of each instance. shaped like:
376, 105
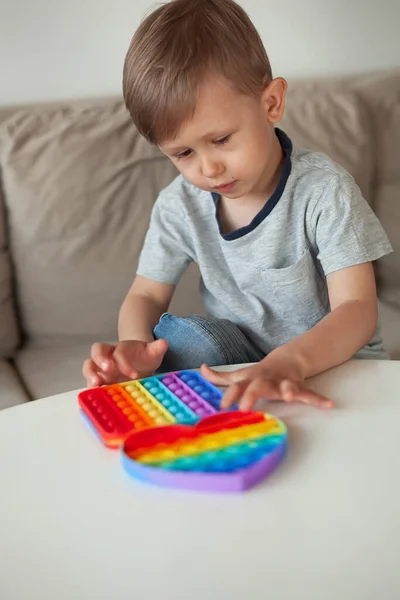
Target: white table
325, 525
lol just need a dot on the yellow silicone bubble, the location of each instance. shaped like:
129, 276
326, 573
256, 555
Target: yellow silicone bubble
190, 448
187, 449
159, 455
233, 439
153, 457
202, 443
148, 398
278, 428
210, 444
252, 435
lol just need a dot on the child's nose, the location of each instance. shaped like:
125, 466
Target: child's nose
211, 168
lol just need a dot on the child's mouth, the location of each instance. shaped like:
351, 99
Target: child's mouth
225, 188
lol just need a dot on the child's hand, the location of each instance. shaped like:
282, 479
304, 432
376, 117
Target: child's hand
123, 361
248, 385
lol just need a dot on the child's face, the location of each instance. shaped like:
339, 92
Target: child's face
229, 145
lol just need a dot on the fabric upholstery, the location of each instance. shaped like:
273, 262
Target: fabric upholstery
79, 186
390, 320
9, 333
12, 391
53, 368
380, 93
334, 122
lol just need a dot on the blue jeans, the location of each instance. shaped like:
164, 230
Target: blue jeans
195, 340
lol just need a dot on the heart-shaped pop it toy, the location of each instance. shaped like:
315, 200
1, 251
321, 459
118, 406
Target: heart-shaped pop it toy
225, 452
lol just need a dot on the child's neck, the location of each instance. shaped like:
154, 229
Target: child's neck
271, 176
235, 213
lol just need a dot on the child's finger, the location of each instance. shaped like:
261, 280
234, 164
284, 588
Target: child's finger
126, 365
157, 348
89, 371
288, 390
265, 389
307, 396
233, 394
216, 377
102, 355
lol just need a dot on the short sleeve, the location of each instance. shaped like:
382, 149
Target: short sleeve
347, 232
167, 250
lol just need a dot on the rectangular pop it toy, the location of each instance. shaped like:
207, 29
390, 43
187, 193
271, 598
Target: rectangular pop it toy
116, 411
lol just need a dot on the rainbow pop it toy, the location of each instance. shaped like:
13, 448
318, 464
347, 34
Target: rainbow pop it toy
116, 411
224, 452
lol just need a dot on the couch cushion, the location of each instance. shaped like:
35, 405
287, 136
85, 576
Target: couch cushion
381, 94
9, 336
53, 368
11, 390
52, 364
390, 319
328, 117
79, 187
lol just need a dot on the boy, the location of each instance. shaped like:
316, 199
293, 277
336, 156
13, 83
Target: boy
282, 236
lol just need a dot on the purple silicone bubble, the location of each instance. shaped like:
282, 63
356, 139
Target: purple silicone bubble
193, 400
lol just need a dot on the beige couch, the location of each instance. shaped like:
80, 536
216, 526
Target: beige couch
77, 188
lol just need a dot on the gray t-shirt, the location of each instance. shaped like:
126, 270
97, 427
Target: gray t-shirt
269, 277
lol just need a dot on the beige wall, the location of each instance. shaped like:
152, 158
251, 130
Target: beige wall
54, 49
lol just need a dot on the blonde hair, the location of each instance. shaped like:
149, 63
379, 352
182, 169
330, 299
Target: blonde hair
172, 52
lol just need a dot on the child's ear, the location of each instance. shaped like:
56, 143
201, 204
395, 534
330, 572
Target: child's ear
273, 99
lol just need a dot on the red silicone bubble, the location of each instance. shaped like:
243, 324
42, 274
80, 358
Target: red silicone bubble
228, 420
148, 438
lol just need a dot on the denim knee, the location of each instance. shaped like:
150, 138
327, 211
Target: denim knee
195, 340
189, 345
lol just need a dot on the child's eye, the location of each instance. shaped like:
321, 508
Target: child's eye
184, 154
222, 140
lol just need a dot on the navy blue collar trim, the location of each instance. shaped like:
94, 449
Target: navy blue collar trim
269, 206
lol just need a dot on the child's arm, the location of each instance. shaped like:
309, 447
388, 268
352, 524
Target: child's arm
142, 308
136, 354
280, 376
349, 326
